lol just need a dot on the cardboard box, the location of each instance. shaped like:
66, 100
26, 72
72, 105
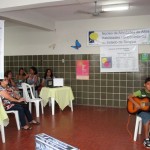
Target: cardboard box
46, 142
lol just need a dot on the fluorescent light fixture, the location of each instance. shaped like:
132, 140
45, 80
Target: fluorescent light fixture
55, 0
115, 7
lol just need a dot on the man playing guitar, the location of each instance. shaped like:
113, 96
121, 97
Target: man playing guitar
145, 115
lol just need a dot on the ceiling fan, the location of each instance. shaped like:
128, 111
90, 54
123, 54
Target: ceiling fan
95, 13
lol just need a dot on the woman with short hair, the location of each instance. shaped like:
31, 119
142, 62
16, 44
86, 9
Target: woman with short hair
11, 101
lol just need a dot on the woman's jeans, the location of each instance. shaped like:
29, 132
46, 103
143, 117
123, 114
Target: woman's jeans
23, 112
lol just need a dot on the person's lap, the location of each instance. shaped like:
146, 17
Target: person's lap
145, 116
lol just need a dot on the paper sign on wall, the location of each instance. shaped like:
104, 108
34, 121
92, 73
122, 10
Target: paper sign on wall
119, 59
119, 37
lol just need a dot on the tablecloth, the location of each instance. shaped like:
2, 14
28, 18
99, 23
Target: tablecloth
62, 95
3, 115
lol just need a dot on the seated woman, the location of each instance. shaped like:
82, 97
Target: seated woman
33, 78
11, 101
47, 75
11, 83
22, 76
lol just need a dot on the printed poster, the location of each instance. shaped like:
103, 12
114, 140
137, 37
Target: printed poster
82, 69
119, 59
1, 49
119, 37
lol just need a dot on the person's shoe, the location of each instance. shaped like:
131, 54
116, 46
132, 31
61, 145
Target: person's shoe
34, 122
146, 143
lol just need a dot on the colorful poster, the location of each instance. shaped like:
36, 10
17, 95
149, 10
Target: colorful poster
119, 37
1, 49
82, 69
119, 59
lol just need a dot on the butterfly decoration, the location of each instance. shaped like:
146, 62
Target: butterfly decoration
77, 45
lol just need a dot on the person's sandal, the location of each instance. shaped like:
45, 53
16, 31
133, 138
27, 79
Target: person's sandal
29, 128
35, 123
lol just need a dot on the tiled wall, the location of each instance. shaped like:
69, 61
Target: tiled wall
103, 89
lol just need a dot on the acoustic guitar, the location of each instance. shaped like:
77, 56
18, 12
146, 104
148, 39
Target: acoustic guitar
143, 102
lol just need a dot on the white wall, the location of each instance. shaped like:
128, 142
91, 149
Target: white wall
21, 40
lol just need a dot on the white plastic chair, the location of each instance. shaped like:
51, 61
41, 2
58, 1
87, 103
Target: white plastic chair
15, 112
31, 98
138, 127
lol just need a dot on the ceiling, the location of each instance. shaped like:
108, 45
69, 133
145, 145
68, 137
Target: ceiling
44, 14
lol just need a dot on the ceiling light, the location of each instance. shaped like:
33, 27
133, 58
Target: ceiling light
56, 0
115, 7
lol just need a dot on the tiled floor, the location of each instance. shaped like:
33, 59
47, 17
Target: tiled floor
88, 128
